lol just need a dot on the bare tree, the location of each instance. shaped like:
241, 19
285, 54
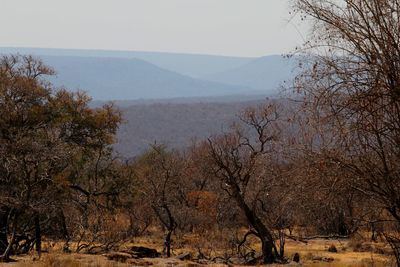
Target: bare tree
352, 80
160, 172
244, 161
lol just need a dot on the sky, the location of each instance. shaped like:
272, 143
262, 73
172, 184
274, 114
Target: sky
218, 27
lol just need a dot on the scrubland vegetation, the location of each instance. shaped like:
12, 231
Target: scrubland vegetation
324, 166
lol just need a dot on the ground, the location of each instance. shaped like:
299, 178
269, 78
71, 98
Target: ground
313, 253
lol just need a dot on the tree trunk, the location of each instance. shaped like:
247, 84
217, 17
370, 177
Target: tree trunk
5, 257
374, 237
4, 213
170, 226
3, 240
38, 236
65, 232
167, 243
281, 243
267, 241
267, 254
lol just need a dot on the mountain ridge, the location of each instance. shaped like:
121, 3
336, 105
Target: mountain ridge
194, 65
122, 78
119, 75
264, 73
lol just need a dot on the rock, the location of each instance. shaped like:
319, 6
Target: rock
143, 252
332, 249
296, 257
118, 256
184, 256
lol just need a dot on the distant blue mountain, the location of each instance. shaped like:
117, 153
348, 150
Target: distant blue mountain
122, 79
263, 74
127, 75
187, 64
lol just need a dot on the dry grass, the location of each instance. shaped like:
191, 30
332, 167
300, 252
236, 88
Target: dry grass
346, 257
310, 255
78, 260
62, 260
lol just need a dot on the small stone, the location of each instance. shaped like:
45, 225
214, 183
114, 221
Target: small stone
332, 249
143, 252
296, 257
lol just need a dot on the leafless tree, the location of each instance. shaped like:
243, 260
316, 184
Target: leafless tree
160, 172
246, 161
352, 81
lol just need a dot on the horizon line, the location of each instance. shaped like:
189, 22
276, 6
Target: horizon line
137, 51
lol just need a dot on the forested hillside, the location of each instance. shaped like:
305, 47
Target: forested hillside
174, 124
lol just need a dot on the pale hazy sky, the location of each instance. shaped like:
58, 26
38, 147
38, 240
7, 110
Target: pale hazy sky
221, 27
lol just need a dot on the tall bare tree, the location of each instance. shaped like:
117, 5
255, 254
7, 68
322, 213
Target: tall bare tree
244, 161
352, 81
